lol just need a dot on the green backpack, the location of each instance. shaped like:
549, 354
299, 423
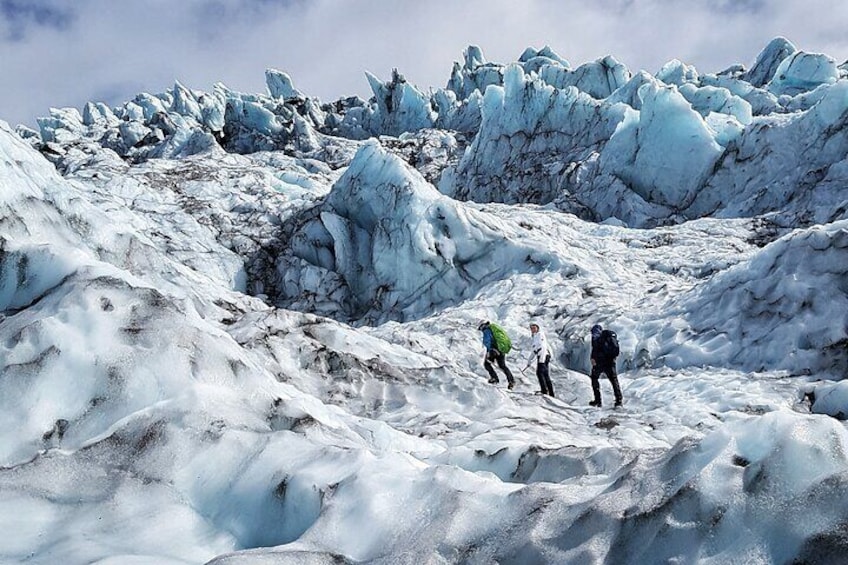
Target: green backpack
502, 341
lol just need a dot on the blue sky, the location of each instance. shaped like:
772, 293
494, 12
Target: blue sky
66, 52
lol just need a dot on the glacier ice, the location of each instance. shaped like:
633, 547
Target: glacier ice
636, 152
567, 164
395, 247
240, 328
801, 72
768, 61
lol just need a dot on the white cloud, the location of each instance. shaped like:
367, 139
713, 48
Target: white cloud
114, 50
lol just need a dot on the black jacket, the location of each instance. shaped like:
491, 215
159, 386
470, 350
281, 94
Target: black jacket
598, 355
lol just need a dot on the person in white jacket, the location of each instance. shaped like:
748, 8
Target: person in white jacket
541, 353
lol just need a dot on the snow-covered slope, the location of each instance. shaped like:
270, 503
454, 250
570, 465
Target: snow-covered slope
241, 328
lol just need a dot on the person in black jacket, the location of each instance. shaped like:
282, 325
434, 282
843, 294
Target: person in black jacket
604, 352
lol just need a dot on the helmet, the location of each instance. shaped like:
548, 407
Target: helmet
482, 325
534, 323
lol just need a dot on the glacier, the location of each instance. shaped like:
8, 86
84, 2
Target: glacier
240, 328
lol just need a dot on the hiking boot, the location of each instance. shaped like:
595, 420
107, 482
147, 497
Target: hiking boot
617, 403
595, 403
510, 386
493, 381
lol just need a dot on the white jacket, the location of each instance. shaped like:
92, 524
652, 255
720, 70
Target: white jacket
539, 348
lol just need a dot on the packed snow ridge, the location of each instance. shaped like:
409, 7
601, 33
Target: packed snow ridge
242, 328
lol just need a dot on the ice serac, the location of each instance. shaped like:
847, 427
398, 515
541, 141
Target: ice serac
182, 122
792, 165
598, 78
677, 73
475, 74
533, 60
565, 163
185, 103
802, 72
386, 245
762, 101
280, 85
63, 125
94, 112
458, 115
628, 93
666, 151
400, 106
709, 99
531, 134
768, 61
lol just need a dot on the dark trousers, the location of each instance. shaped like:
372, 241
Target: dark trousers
500, 359
609, 370
544, 376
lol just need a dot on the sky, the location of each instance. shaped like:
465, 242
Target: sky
57, 53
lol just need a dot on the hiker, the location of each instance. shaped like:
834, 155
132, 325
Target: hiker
497, 345
604, 351
541, 353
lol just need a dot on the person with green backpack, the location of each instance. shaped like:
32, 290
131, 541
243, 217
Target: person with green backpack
497, 345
